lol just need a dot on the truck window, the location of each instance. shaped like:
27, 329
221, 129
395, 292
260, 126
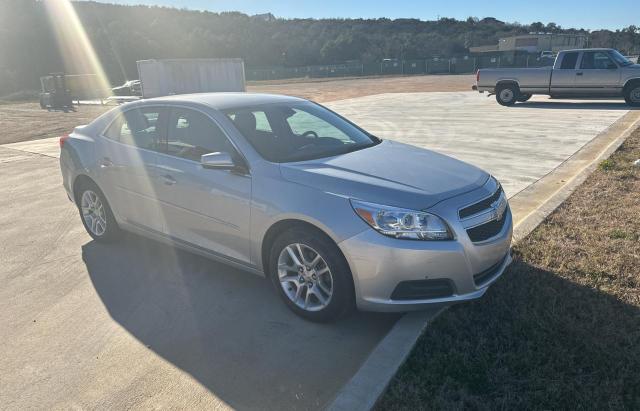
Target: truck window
596, 60
569, 61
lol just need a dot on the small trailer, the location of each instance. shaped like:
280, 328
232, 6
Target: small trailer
183, 76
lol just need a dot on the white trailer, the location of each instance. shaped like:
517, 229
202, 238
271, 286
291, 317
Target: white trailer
183, 76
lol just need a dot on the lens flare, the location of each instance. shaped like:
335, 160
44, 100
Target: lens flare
77, 52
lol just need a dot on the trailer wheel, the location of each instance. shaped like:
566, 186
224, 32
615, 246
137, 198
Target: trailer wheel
507, 94
523, 97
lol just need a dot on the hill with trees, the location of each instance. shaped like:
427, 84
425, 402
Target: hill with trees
123, 34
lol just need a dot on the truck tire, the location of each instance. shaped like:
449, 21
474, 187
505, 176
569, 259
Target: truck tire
507, 94
523, 97
632, 94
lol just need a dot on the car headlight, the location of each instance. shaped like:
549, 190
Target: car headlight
402, 223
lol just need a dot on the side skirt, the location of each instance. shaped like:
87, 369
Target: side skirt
187, 246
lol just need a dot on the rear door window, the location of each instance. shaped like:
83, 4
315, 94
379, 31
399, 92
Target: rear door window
569, 61
137, 127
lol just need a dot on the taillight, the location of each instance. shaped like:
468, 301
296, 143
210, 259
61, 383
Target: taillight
63, 139
478, 75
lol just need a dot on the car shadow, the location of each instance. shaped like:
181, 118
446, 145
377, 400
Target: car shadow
575, 105
228, 328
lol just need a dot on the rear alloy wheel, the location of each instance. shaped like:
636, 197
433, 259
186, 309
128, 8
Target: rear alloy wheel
96, 214
507, 95
311, 275
523, 97
632, 95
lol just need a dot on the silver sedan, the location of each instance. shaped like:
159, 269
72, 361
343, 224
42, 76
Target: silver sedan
334, 216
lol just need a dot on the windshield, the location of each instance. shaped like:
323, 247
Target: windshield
286, 132
620, 59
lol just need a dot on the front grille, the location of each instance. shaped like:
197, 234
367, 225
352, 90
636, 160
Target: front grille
481, 205
422, 289
485, 231
486, 275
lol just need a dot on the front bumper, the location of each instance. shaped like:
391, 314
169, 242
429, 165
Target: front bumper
380, 263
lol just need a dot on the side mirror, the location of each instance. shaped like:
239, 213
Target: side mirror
218, 161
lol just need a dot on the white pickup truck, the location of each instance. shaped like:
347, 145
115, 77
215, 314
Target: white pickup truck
575, 73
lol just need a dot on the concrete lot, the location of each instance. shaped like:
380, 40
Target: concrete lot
138, 324
518, 144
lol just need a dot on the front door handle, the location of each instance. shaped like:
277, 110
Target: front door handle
168, 180
105, 162
579, 73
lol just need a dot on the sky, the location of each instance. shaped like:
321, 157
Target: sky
588, 14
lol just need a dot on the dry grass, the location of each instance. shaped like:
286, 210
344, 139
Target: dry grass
561, 329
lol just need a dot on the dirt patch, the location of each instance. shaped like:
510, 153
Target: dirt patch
322, 90
561, 329
27, 121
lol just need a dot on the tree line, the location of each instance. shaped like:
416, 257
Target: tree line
121, 35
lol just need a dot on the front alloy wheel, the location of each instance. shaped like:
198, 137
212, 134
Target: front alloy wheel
305, 277
311, 275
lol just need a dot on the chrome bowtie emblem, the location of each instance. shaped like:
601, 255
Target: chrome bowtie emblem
498, 208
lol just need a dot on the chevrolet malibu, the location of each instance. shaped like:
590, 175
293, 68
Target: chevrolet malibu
333, 216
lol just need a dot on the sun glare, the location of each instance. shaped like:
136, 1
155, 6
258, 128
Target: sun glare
76, 49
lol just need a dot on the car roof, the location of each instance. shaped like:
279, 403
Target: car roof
225, 100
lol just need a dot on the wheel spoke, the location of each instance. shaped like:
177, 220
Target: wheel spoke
324, 288
307, 298
293, 256
299, 292
315, 261
321, 298
290, 279
286, 267
323, 270
94, 224
302, 257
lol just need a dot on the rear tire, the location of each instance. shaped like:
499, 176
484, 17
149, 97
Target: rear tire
524, 97
95, 213
311, 275
507, 95
632, 95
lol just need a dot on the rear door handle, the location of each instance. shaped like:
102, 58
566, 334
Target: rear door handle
579, 73
106, 162
169, 180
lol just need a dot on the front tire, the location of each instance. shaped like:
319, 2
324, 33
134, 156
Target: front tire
96, 214
632, 95
507, 95
311, 275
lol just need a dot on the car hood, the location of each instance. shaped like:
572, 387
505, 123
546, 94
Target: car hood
389, 173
